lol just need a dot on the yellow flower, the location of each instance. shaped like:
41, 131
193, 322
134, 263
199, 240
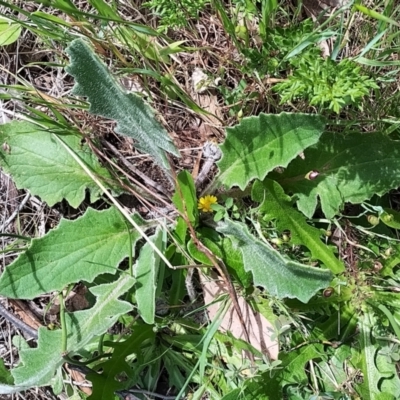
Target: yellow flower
206, 202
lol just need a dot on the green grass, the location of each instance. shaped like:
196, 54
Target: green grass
308, 215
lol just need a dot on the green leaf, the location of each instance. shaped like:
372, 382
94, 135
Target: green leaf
292, 370
380, 378
146, 273
311, 39
185, 198
104, 9
5, 376
39, 163
293, 366
372, 376
52, 18
277, 205
334, 367
39, 365
177, 366
259, 144
338, 326
109, 380
233, 395
134, 117
178, 288
375, 14
349, 168
75, 251
279, 276
222, 248
9, 31
391, 218
390, 264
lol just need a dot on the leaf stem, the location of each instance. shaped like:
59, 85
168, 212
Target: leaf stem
100, 346
63, 324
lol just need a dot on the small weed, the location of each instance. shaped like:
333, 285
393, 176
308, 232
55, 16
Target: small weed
326, 83
176, 14
238, 98
270, 59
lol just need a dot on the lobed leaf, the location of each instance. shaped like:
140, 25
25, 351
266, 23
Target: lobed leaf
38, 163
349, 168
259, 144
39, 365
291, 371
369, 388
106, 383
134, 117
279, 276
75, 251
278, 206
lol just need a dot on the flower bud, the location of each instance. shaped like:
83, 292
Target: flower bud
328, 292
377, 266
388, 251
373, 219
312, 175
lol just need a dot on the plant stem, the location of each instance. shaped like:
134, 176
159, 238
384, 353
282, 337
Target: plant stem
63, 324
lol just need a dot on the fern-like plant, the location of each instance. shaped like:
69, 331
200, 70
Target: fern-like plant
325, 83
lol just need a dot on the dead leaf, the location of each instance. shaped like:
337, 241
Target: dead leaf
259, 328
78, 378
25, 314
